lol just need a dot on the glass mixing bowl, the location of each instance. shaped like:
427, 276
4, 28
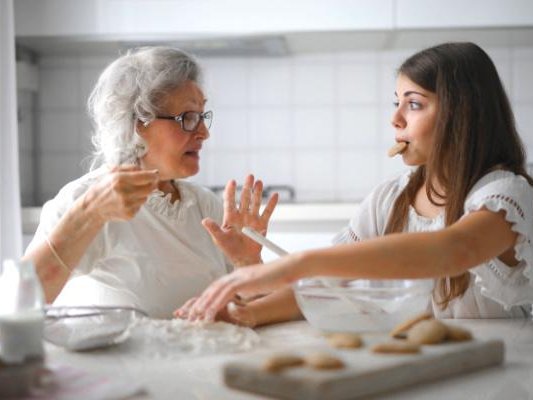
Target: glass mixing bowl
79, 328
343, 305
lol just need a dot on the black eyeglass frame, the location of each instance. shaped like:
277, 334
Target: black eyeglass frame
204, 116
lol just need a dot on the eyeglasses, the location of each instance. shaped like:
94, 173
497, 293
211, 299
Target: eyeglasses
189, 120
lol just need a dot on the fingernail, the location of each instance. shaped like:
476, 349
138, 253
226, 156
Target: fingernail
210, 315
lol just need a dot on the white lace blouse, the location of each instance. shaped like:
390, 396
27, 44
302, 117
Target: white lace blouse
496, 290
155, 261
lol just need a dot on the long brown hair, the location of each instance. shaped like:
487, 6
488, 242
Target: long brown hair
475, 133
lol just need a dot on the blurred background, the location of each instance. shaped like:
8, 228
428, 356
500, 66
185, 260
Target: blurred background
301, 91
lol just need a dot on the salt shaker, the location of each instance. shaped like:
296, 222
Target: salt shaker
21, 313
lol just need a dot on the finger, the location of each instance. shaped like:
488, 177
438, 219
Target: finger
269, 208
122, 167
183, 311
229, 200
246, 193
257, 196
200, 309
220, 299
127, 167
213, 229
139, 177
240, 315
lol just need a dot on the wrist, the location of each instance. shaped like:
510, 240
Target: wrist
246, 261
89, 210
301, 266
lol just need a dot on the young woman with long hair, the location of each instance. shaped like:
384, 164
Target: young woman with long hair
462, 216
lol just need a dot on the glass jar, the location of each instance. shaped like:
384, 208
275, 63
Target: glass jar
21, 313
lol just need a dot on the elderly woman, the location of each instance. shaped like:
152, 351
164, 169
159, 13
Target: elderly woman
130, 231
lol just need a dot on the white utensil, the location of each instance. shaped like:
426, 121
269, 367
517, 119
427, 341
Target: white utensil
258, 238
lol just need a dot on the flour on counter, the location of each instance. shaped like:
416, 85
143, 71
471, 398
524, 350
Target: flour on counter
175, 337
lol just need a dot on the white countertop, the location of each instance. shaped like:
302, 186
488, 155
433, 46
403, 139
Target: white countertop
200, 377
322, 217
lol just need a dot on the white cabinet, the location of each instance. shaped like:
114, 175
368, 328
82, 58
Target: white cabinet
416, 14
184, 19
130, 19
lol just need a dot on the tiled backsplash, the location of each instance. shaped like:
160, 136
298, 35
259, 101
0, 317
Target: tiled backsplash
319, 123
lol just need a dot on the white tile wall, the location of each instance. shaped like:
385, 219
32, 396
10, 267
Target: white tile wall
318, 122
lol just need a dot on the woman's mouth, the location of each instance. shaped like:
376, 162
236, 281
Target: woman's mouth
193, 153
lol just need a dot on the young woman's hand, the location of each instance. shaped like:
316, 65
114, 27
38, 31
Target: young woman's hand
120, 193
259, 279
239, 248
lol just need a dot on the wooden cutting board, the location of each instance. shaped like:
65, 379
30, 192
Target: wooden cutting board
365, 373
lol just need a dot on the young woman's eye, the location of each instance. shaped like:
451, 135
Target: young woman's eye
395, 104
415, 105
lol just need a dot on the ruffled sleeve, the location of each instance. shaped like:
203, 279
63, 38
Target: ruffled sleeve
497, 191
371, 216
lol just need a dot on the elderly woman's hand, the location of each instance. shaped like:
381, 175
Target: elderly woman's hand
238, 248
237, 312
120, 193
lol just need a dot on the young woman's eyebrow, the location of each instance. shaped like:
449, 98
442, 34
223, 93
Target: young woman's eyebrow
410, 92
406, 94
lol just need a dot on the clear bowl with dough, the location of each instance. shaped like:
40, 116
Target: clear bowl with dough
345, 305
80, 328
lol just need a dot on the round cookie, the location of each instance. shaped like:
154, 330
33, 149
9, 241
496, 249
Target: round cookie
323, 361
400, 330
427, 332
396, 348
279, 362
345, 340
457, 334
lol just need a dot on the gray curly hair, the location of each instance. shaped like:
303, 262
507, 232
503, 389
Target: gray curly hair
133, 88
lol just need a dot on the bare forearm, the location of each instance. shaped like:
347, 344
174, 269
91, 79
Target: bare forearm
278, 306
398, 256
70, 239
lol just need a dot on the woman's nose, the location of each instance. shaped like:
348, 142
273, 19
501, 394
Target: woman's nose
397, 120
202, 132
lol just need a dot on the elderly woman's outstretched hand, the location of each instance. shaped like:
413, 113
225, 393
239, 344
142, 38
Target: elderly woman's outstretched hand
121, 192
238, 248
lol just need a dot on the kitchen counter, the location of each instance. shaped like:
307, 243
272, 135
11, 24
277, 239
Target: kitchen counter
322, 217
200, 377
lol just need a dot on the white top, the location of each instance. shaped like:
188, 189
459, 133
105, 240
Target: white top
155, 261
496, 290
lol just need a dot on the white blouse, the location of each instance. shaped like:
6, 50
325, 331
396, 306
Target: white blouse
155, 261
496, 290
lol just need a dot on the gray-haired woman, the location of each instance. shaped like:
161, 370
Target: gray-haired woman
130, 231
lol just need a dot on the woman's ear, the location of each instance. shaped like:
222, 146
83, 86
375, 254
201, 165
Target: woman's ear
141, 127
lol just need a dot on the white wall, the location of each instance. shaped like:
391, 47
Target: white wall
317, 122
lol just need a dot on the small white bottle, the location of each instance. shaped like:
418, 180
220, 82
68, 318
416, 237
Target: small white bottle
21, 313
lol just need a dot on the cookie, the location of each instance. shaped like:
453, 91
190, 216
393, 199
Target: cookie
323, 361
344, 340
279, 362
398, 148
396, 348
400, 330
457, 334
427, 332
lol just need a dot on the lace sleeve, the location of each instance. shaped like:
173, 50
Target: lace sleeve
512, 194
346, 235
